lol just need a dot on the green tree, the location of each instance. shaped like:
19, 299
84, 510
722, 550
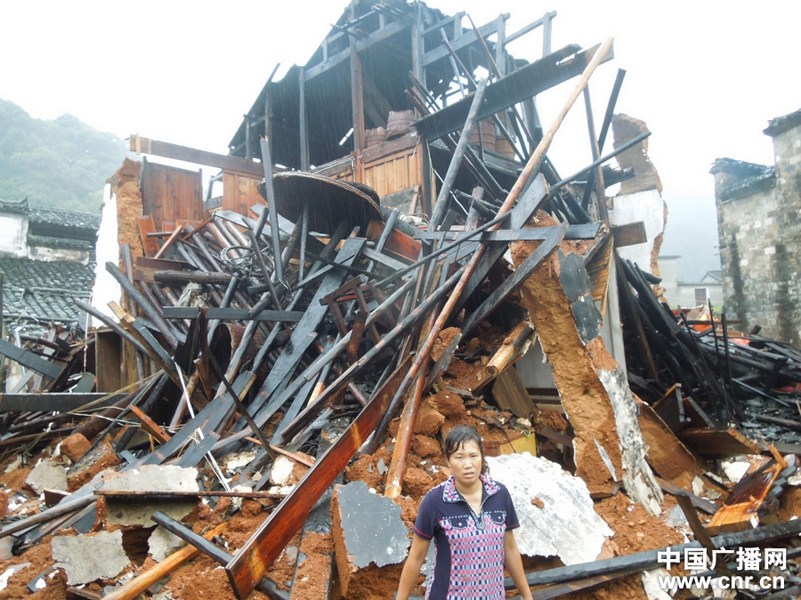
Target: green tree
61, 163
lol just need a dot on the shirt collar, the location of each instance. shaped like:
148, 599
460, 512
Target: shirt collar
451, 494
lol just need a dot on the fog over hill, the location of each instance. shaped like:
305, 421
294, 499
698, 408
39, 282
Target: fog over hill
692, 233
60, 163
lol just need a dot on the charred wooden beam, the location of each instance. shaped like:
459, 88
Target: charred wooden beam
55, 401
192, 276
583, 231
515, 87
441, 203
30, 360
511, 283
250, 564
144, 305
142, 145
232, 314
402, 328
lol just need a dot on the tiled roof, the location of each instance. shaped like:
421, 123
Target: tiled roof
63, 218
58, 242
783, 123
19, 207
44, 291
748, 177
740, 168
750, 185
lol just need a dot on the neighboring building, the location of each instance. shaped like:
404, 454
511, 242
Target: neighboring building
760, 234
687, 294
47, 261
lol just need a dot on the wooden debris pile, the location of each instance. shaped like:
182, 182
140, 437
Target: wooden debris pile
304, 336
700, 374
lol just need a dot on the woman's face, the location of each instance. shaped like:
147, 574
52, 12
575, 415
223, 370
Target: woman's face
466, 463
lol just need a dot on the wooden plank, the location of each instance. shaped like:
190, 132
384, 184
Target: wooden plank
361, 45
718, 443
399, 243
586, 231
208, 419
109, 360
171, 239
149, 243
510, 393
629, 234
305, 332
142, 145
240, 192
147, 266
529, 201
511, 283
741, 509
251, 562
150, 426
698, 502
29, 360
232, 314
54, 402
516, 87
468, 38
170, 194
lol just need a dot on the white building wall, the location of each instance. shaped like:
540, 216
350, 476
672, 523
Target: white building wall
107, 249
648, 207
14, 230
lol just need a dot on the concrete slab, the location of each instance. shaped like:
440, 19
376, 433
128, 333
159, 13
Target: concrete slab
371, 526
154, 478
6, 544
47, 474
557, 516
133, 514
162, 543
368, 533
87, 558
150, 478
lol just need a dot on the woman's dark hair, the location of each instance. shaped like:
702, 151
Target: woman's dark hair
458, 436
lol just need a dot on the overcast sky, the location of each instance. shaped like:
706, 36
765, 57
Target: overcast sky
705, 76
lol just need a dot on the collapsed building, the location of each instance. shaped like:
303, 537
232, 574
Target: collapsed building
392, 254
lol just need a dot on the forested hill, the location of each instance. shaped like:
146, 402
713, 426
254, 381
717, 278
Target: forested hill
61, 163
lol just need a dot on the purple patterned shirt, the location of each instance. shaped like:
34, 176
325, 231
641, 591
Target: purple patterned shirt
469, 552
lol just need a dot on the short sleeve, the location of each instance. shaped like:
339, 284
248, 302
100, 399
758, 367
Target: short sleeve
426, 515
512, 521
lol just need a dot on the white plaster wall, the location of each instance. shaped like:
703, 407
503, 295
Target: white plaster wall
14, 230
533, 369
106, 287
648, 207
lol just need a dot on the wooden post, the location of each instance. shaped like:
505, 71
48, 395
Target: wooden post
303, 122
600, 189
458, 155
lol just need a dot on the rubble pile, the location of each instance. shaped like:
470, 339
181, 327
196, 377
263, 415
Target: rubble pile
259, 409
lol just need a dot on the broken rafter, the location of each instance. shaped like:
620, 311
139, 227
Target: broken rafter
249, 565
515, 87
531, 167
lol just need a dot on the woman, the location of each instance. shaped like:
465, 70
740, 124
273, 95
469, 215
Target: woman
470, 517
